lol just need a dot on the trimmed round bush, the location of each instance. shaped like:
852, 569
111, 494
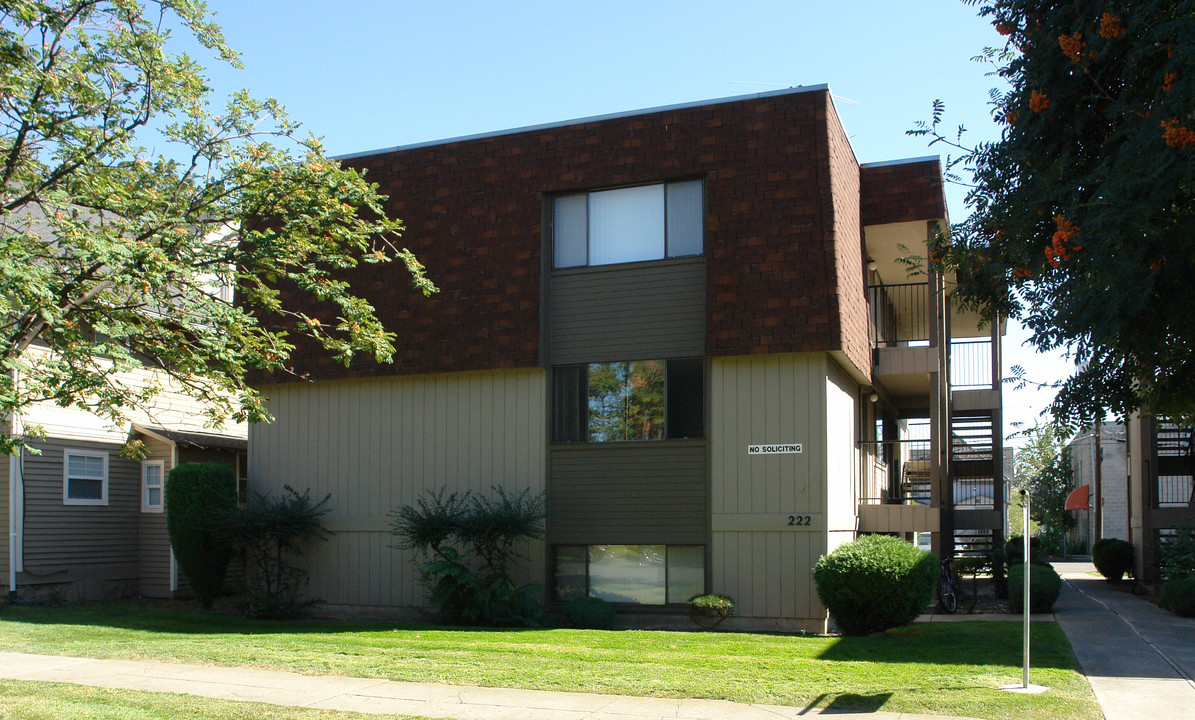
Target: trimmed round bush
1178, 596
197, 494
874, 583
1014, 550
1044, 586
1113, 558
590, 613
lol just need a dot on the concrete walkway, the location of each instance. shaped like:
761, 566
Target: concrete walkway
1139, 658
366, 695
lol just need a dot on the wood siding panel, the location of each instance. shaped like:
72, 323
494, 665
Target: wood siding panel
65, 543
628, 493
766, 564
843, 459
378, 444
4, 528
154, 542
627, 312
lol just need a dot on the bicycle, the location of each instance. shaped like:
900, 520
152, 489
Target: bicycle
947, 586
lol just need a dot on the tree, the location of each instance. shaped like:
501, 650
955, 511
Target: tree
1083, 212
1043, 467
197, 496
115, 257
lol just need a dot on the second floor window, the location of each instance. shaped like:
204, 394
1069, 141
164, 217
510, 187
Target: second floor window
632, 400
645, 222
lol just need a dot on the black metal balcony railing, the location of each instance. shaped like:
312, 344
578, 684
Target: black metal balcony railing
1175, 446
899, 314
971, 364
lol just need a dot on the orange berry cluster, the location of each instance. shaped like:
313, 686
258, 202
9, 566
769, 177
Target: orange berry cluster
1058, 252
1110, 27
1038, 102
1168, 81
1072, 45
1177, 135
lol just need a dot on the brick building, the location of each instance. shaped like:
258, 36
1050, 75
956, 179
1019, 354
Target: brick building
690, 327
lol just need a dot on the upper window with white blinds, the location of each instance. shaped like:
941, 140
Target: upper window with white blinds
645, 222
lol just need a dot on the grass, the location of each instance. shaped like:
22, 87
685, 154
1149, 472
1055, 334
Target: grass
943, 669
54, 701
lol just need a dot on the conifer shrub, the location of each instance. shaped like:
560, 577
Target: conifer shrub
874, 583
272, 531
1113, 558
197, 494
1178, 596
470, 546
590, 613
1044, 586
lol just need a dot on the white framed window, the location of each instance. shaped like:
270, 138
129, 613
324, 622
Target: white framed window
84, 477
632, 224
153, 475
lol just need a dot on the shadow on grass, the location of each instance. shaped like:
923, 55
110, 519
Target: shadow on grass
168, 617
962, 643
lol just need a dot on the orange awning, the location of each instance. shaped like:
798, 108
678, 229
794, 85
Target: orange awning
1079, 498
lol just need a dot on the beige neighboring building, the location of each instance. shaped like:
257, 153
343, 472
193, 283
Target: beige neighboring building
1099, 463
690, 327
79, 521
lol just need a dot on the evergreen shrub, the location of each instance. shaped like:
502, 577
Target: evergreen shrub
875, 582
1113, 558
1178, 596
1044, 586
197, 494
590, 613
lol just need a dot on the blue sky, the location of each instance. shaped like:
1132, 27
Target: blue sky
373, 74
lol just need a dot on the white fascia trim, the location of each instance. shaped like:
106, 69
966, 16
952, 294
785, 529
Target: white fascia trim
905, 161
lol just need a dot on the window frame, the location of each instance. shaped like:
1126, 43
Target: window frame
569, 413
67, 453
146, 507
665, 186
668, 547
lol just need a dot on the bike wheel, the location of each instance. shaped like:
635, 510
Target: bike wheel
947, 597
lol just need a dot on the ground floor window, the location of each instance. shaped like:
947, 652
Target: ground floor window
84, 477
639, 574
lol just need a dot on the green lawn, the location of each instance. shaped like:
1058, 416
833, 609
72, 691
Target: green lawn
945, 668
55, 701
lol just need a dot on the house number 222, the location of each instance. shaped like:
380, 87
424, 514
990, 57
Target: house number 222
799, 520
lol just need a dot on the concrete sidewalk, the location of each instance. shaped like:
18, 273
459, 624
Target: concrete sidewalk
1139, 658
367, 695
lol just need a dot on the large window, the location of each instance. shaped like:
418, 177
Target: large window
646, 222
641, 574
634, 400
84, 477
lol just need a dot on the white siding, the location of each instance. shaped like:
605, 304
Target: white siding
843, 458
378, 444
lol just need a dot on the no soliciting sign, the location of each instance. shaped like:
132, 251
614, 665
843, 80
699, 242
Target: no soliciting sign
781, 449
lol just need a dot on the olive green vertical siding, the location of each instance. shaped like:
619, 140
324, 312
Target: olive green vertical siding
381, 443
627, 312
154, 541
842, 426
628, 493
5, 529
759, 558
80, 543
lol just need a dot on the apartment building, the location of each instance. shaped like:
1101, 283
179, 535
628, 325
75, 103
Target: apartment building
694, 328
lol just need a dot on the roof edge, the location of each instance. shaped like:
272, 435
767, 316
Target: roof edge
593, 118
903, 161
